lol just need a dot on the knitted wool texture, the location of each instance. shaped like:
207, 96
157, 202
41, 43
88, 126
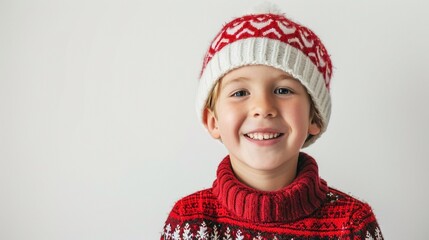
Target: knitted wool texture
270, 39
305, 209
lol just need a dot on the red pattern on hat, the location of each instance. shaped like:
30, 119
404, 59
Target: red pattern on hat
276, 27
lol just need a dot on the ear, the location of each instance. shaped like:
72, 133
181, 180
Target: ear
313, 129
210, 122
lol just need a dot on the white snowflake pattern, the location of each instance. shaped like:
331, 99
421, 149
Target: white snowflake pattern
187, 235
376, 234
227, 234
176, 234
167, 234
368, 236
202, 233
215, 232
259, 237
215, 235
239, 236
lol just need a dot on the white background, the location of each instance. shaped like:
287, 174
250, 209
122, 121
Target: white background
99, 135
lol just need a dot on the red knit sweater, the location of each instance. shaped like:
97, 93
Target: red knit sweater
305, 209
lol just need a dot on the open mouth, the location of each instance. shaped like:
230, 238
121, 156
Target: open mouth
263, 136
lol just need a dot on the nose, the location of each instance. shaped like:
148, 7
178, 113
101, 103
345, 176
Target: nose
263, 106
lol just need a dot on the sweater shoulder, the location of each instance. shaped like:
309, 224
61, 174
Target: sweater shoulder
353, 211
198, 204
346, 200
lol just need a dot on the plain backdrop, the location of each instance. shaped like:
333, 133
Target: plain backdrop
99, 135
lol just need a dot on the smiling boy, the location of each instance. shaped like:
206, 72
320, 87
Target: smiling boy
264, 93
262, 116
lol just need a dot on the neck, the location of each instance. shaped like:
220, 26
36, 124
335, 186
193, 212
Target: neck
300, 198
265, 180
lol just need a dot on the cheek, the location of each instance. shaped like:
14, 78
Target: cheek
230, 119
299, 115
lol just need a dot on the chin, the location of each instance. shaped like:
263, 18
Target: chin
266, 163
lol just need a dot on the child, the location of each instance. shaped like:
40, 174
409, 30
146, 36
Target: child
264, 93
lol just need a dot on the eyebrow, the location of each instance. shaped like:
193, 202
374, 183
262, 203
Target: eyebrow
240, 79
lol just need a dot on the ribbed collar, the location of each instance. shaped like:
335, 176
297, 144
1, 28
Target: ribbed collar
299, 199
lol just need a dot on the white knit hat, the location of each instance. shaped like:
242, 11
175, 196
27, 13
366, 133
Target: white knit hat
267, 37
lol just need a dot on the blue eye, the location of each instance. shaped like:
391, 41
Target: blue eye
282, 91
240, 93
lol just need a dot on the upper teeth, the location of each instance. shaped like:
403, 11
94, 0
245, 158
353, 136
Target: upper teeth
262, 136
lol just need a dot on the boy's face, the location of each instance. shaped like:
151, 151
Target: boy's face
262, 116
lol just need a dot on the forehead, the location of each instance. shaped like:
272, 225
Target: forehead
253, 73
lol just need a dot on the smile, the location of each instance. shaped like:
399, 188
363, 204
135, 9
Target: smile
263, 136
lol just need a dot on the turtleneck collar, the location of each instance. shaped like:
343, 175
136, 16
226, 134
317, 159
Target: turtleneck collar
299, 199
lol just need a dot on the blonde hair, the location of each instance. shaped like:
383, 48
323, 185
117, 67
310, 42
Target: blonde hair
212, 98
315, 117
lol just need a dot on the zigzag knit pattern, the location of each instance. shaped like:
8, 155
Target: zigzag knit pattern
276, 27
305, 209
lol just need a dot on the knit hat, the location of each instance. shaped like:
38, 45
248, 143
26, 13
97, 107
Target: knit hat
268, 37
